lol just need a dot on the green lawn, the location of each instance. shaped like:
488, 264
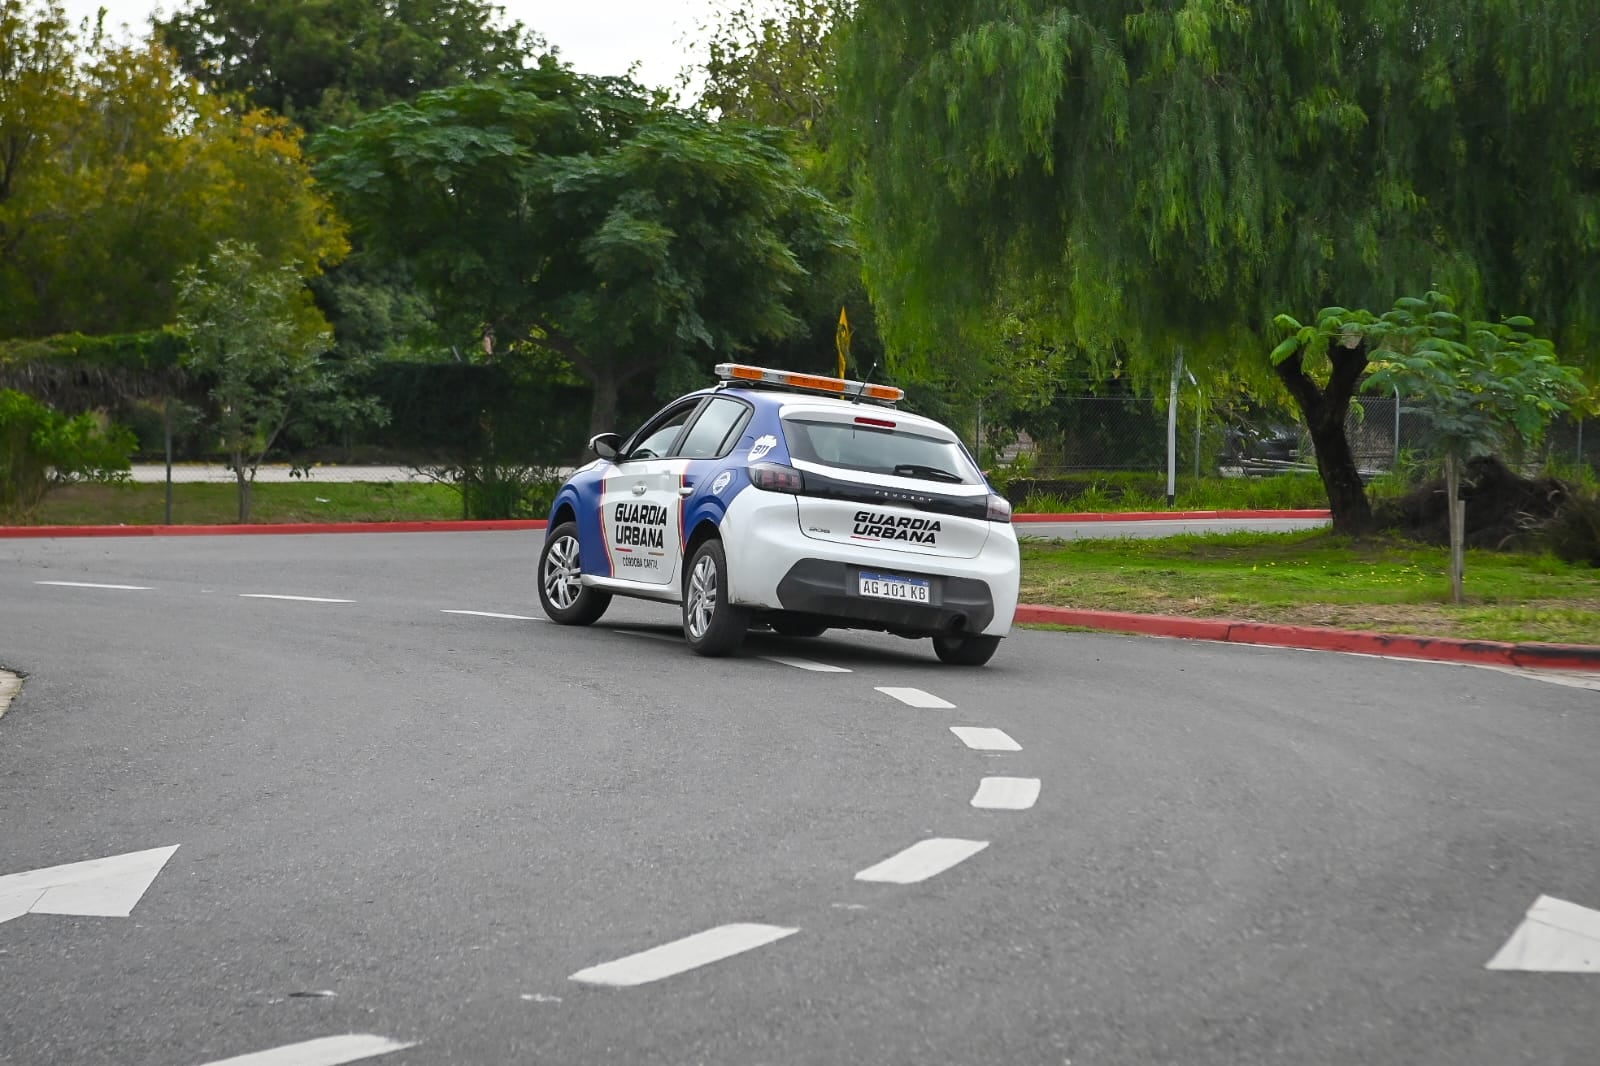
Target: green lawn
210, 504
1318, 578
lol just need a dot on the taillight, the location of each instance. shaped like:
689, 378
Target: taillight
999, 508
774, 477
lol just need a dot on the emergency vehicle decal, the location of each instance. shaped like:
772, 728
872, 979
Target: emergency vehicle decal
722, 482
762, 446
876, 525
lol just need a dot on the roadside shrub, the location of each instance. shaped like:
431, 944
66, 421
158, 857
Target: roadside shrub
40, 447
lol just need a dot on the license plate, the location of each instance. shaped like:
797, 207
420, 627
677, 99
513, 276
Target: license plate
894, 587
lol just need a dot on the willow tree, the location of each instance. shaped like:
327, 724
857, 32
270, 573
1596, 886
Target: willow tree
1173, 175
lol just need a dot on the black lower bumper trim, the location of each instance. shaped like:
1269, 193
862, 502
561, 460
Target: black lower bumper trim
828, 589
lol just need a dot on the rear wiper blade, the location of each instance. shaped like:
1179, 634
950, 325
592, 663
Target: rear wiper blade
932, 473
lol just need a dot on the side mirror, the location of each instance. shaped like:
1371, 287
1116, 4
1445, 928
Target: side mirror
605, 444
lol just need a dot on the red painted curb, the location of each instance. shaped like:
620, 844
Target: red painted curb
1315, 638
1164, 516
269, 528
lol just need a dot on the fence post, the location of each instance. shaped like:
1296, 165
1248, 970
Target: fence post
1199, 415
167, 433
1396, 466
1172, 430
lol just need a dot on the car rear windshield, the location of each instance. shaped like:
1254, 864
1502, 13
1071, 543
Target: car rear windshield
880, 450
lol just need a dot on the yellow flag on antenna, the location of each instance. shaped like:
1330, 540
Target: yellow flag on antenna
841, 339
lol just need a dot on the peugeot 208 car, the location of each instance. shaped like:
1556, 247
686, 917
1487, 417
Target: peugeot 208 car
795, 501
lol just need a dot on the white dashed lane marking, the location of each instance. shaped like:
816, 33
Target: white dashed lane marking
1007, 793
915, 697
492, 614
92, 585
984, 739
691, 952
328, 1051
806, 664
296, 599
922, 860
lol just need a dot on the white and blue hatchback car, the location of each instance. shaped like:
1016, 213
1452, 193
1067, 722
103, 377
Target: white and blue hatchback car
800, 502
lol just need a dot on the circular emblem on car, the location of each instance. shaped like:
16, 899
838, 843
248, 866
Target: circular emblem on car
722, 482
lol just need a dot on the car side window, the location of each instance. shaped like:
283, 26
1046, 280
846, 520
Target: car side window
715, 430
655, 440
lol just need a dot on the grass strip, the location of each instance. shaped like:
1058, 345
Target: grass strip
1315, 577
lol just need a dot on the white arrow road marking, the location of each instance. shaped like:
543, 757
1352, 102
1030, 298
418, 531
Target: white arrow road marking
1007, 793
106, 888
806, 664
713, 945
10, 685
328, 1051
91, 585
297, 599
491, 614
1555, 937
984, 739
915, 697
922, 860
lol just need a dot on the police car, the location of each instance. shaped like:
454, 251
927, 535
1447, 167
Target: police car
789, 500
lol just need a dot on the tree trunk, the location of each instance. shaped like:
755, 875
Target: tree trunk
1324, 412
603, 408
244, 490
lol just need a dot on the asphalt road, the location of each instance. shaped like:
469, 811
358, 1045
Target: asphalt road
418, 825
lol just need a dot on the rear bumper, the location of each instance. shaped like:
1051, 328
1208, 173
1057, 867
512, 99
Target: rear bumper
772, 565
825, 587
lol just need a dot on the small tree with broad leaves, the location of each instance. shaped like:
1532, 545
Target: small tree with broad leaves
256, 337
1481, 385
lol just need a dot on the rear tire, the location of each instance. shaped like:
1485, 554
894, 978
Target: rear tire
711, 625
797, 627
562, 594
965, 649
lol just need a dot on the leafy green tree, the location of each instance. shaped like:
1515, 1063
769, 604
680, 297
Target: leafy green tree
326, 62
576, 215
115, 171
1482, 385
1170, 176
41, 447
255, 336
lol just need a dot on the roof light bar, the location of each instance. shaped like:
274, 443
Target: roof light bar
809, 382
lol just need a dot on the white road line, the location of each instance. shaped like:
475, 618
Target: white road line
980, 738
922, 860
327, 1051
806, 664
92, 585
915, 697
297, 599
713, 945
1007, 793
491, 614
1555, 937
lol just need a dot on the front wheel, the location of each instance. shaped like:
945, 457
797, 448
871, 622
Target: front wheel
711, 625
562, 593
965, 649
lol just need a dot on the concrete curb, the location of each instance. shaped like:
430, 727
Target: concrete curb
470, 526
1317, 638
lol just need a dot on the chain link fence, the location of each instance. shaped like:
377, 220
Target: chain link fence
1125, 433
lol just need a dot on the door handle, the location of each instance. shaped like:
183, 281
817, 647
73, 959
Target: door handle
685, 490
638, 490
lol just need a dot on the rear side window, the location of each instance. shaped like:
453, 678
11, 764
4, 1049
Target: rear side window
880, 450
716, 430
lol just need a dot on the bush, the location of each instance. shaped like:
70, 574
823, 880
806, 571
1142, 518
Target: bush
1573, 535
40, 447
